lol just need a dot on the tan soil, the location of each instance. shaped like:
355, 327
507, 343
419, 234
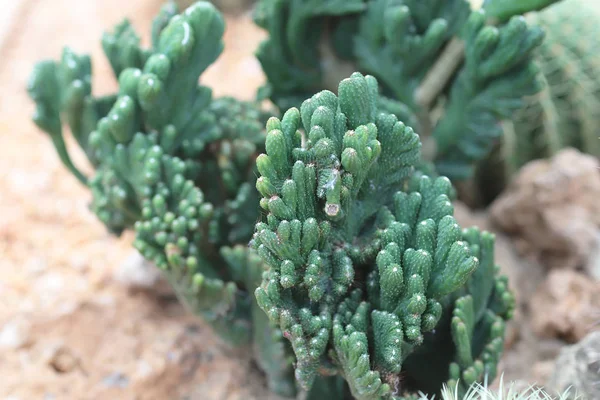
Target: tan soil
68, 329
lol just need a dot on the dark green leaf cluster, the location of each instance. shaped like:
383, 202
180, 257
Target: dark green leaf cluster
175, 165
443, 68
363, 276
497, 74
566, 112
290, 58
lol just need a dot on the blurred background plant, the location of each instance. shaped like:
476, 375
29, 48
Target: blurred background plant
566, 112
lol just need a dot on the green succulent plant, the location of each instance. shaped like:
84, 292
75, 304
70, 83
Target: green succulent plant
567, 110
356, 281
174, 164
450, 72
367, 280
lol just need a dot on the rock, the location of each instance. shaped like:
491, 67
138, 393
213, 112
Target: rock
592, 267
62, 360
127, 348
578, 367
542, 371
566, 306
139, 274
552, 208
527, 359
524, 275
116, 379
14, 334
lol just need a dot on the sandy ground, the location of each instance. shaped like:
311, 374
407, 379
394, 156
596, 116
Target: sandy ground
68, 330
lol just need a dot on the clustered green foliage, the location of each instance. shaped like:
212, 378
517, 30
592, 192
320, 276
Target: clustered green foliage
380, 289
174, 164
566, 113
364, 283
449, 72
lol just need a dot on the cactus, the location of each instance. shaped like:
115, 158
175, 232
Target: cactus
366, 280
567, 111
364, 284
175, 165
444, 69
62, 92
507, 392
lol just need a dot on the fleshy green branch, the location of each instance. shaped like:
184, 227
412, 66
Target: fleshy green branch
496, 76
178, 167
425, 54
363, 279
567, 110
62, 90
365, 284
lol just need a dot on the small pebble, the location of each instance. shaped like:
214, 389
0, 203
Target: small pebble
116, 379
14, 334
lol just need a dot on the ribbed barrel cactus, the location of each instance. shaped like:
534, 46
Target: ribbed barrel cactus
320, 242
368, 279
174, 164
566, 113
451, 72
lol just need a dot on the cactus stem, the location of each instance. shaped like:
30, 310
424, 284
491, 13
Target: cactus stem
441, 72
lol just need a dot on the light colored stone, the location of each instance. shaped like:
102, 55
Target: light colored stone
63, 360
525, 360
14, 334
566, 306
578, 368
552, 209
542, 371
592, 266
